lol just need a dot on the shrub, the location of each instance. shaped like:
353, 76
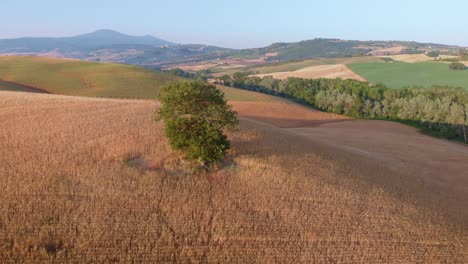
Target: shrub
195, 116
458, 66
433, 54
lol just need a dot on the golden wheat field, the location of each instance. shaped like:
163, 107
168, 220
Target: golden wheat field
94, 180
322, 71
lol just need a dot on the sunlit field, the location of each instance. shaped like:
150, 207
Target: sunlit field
94, 180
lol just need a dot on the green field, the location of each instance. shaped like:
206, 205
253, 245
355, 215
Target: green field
235, 94
72, 77
401, 74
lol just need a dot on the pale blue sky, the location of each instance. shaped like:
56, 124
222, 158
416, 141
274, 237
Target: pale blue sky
242, 23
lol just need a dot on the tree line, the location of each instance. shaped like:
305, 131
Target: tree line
198, 76
442, 111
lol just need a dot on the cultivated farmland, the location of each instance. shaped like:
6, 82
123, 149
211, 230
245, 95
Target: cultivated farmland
315, 72
401, 74
295, 65
94, 180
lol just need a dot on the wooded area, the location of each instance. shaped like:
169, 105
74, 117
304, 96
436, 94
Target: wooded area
442, 111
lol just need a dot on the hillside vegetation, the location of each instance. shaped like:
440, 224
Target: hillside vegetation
94, 180
401, 74
442, 111
73, 77
335, 48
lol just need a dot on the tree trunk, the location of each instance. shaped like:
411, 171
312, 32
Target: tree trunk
464, 132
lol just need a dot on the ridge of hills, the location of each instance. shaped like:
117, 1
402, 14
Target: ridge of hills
113, 46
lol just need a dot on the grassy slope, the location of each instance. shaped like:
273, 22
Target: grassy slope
400, 74
234, 94
71, 77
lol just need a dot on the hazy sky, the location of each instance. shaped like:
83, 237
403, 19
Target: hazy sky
242, 23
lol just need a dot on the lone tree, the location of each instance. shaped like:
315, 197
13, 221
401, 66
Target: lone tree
196, 116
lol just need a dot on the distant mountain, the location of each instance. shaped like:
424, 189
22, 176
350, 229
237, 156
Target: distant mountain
86, 42
333, 48
108, 45
106, 37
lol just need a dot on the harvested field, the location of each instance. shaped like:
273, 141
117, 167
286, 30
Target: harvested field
314, 72
93, 180
448, 57
297, 65
411, 58
388, 51
196, 67
221, 65
271, 54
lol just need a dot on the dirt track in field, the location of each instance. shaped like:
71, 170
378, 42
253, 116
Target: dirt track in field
321, 71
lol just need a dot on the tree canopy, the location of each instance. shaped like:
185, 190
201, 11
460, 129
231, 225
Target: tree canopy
196, 116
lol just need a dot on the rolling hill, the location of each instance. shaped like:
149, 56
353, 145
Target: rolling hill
81, 78
94, 180
336, 48
87, 42
149, 51
74, 77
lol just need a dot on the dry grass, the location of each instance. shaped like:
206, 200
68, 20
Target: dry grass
414, 58
386, 51
93, 180
410, 58
314, 72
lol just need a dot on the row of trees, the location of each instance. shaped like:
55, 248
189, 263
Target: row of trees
198, 76
441, 110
